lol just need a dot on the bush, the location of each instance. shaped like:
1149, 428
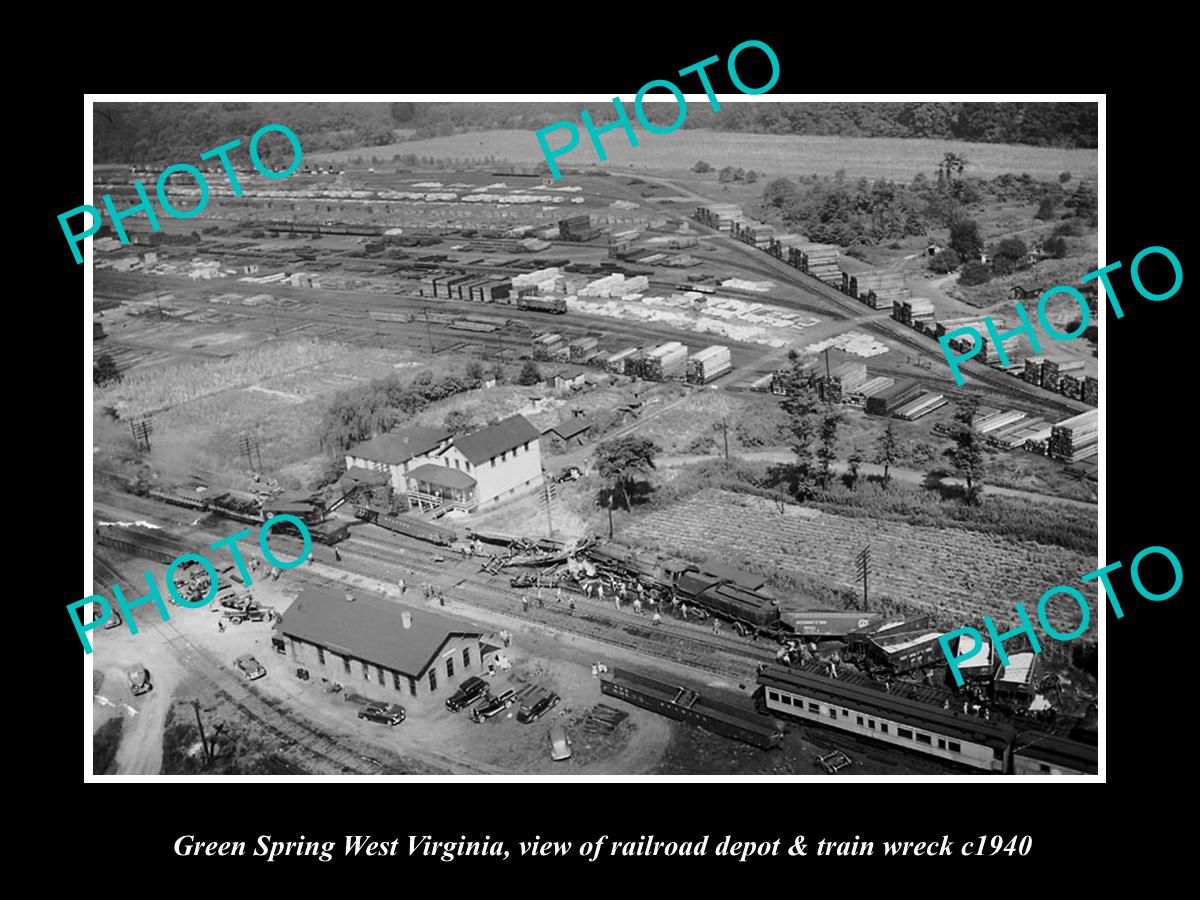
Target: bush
944, 262
702, 168
1055, 247
974, 273
530, 374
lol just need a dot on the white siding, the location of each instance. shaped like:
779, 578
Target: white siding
507, 475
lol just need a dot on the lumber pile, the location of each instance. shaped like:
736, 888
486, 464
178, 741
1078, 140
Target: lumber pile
843, 380
665, 361
926, 403
1053, 370
711, 362
1091, 390
603, 719
1076, 438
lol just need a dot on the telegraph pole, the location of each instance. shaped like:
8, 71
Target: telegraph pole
724, 429
862, 566
203, 738
549, 498
428, 332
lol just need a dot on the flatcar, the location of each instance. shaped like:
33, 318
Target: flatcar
688, 705
869, 712
188, 501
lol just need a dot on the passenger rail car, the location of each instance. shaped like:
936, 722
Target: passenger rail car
139, 542
409, 526
687, 705
871, 713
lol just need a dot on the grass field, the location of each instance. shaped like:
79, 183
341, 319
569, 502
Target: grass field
773, 154
956, 574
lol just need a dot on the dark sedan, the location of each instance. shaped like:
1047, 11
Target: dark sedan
531, 712
470, 690
383, 713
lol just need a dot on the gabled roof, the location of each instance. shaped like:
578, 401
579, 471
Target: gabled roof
568, 428
442, 475
480, 446
371, 630
399, 446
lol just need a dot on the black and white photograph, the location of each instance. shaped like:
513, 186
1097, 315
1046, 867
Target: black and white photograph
557, 439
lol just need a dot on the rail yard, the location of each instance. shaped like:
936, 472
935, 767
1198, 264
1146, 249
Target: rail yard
431, 369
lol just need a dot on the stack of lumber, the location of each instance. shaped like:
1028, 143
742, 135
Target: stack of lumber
582, 348
667, 360
997, 420
879, 290
844, 379
549, 346
821, 262
926, 403
910, 311
886, 401
1053, 370
711, 362
617, 361
1070, 386
603, 719
1091, 390
875, 385
1033, 369
763, 383
1076, 438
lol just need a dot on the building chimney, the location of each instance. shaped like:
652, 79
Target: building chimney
406, 619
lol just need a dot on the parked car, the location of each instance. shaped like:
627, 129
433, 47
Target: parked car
250, 667
139, 680
494, 706
383, 713
537, 707
560, 743
468, 692
834, 762
570, 473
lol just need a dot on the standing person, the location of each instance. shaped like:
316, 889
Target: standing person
571, 606
525, 602
221, 626
403, 587
657, 619
637, 607
600, 592
441, 597
540, 604
595, 670
558, 593
716, 625
337, 554
683, 611
539, 587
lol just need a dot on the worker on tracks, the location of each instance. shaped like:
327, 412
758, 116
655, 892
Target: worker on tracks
525, 603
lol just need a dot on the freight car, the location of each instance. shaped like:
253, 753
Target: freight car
687, 705
866, 710
189, 501
555, 305
409, 526
147, 544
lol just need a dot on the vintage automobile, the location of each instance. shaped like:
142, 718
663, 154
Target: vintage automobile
383, 713
537, 706
468, 692
493, 706
250, 667
139, 680
570, 473
560, 743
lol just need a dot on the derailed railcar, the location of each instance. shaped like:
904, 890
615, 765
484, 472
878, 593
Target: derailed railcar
745, 608
688, 705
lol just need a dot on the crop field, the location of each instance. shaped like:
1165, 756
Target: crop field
958, 575
774, 154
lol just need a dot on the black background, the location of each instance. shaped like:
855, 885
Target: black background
1076, 828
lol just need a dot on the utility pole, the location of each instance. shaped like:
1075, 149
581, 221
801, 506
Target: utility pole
428, 332
549, 498
610, 506
203, 737
827, 376
862, 566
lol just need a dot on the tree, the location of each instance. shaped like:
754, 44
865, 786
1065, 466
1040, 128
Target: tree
1064, 177
474, 372
623, 461
458, 422
974, 273
851, 477
105, 370
965, 239
887, 451
1046, 208
1012, 249
702, 168
751, 177
800, 404
827, 451
944, 262
727, 174
530, 374
966, 455
1055, 247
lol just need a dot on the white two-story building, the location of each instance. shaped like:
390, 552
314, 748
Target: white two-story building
468, 472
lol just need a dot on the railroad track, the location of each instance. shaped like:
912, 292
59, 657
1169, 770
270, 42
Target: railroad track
594, 619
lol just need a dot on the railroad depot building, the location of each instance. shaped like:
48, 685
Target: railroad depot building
381, 650
472, 471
